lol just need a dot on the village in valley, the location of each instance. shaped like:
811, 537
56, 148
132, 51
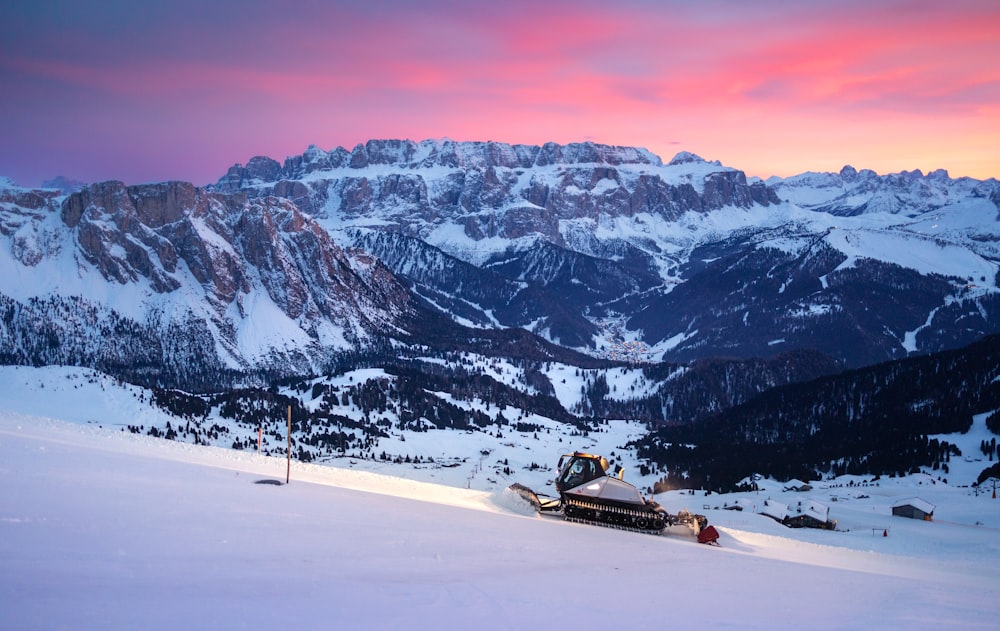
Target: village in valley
616, 346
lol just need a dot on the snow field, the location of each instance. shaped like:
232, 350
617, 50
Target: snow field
104, 528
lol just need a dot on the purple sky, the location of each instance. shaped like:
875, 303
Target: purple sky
142, 91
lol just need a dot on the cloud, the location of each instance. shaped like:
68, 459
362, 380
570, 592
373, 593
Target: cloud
286, 74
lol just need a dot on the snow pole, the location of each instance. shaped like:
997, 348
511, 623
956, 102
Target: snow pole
260, 437
288, 470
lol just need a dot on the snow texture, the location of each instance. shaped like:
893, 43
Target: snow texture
101, 528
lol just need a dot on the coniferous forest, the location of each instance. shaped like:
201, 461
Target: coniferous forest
879, 420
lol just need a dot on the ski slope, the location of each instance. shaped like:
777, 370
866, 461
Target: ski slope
104, 529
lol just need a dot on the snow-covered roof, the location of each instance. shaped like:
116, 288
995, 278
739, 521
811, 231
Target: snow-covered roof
797, 485
917, 503
743, 503
775, 509
814, 509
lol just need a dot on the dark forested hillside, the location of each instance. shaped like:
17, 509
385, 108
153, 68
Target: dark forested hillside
876, 420
690, 392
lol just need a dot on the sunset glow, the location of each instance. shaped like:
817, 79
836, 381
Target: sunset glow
155, 91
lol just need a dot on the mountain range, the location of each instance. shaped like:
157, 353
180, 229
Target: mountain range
587, 254
592, 246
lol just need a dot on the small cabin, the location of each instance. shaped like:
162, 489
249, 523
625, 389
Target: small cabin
811, 514
914, 508
806, 514
798, 486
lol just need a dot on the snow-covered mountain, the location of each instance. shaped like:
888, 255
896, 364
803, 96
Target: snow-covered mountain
278, 268
171, 278
853, 192
688, 257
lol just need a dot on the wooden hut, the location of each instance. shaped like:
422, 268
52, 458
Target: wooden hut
914, 508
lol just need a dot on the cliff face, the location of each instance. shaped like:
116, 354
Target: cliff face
211, 279
231, 245
493, 189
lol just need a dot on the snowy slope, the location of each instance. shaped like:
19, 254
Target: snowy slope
100, 528
463, 459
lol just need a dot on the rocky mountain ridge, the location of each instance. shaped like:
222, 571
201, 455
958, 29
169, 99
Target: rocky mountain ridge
171, 257
704, 261
603, 250
492, 189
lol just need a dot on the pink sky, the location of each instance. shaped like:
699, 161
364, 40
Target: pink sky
182, 90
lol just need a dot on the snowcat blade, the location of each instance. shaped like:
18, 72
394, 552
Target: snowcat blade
527, 494
546, 504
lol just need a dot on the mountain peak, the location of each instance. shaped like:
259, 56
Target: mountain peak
686, 157
848, 172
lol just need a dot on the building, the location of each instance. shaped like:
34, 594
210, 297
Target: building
914, 508
811, 514
806, 514
798, 486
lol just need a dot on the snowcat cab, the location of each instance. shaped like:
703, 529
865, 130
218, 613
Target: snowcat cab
578, 469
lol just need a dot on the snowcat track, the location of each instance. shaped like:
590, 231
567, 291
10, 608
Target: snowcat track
615, 517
